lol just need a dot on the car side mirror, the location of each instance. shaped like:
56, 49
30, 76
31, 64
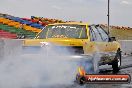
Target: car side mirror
111, 39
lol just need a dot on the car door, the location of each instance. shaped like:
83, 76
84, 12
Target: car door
102, 42
99, 41
108, 46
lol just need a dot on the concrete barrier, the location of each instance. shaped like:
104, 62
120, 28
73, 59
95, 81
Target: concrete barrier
10, 47
1, 49
126, 47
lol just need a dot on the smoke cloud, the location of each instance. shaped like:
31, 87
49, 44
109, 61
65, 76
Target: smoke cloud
37, 70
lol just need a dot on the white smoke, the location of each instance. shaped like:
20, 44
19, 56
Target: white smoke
36, 70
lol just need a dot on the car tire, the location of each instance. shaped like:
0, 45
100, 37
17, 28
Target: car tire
117, 62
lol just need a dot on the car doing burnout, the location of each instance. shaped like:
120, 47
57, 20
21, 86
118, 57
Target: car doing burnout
81, 38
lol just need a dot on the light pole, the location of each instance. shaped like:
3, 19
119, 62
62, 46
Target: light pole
108, 16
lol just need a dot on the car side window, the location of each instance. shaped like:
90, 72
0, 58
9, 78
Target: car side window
103, 34
92, 34
96, 33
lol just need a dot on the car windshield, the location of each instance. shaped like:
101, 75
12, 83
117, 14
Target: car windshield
67, 31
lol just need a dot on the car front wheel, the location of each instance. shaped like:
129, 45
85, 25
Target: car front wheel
117, 62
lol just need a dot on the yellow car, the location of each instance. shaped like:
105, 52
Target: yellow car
80, 38
87, 38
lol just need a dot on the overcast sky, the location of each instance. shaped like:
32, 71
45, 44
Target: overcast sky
92, 11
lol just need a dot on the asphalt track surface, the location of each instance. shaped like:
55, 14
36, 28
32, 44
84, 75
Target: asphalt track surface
126, 68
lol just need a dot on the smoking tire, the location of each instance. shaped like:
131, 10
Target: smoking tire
95, 62
92, 65
117, 62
